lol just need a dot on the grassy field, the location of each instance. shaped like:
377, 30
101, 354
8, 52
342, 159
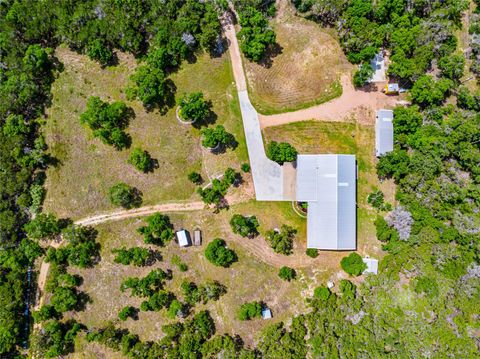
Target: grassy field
77, 186
312, 137
284, 298
304, 73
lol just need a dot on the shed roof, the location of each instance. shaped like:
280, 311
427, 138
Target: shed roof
372, 265
183, 238
266, 313
384, 132
328, 184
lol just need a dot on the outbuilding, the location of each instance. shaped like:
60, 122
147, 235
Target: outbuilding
266, 313
197, 237
383, 132
328, 184
372, 265
183, 238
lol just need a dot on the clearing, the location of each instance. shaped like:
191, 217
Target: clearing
343, 138
78, 185
306, 70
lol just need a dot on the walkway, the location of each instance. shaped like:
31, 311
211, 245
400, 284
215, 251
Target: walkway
268, 176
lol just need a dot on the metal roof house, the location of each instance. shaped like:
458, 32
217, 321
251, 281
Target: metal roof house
384, 132
328, 184
183, 238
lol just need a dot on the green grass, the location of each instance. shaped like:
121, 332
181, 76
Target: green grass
77, 186
315, 137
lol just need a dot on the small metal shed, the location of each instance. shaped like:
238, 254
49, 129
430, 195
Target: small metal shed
266, 313
197, 237
183, 238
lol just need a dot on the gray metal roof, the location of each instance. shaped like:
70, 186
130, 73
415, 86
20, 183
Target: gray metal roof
328, 184
384, 132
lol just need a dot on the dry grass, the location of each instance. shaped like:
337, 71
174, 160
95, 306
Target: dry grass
345, 138
306, 71
77, 187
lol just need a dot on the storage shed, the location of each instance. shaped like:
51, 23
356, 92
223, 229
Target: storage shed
372, 265
183, 238
197, 237
383, 132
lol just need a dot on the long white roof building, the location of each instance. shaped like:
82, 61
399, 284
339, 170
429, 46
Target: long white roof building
328, 184
384, 132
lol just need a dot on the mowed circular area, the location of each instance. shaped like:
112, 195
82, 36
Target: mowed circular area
306, 70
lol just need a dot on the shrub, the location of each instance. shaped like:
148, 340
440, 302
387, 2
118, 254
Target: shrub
426, 285
244, 226
217, 136
427, 92
127, 312
281, 152
178, 262
99, 51
245, 167
151, 87
157, 301
193, 107
287, 273
159, 230
121, 194
195, 178
376, 200
322, 293
146, 286
281, 241
42, 226
362, 75
176, 309
353, 264
136, 256
250, 310
141, 160
218, 254
312, 252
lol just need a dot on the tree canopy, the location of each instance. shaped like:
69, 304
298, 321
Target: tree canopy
218, 254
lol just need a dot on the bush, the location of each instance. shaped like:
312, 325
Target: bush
99, 51
136, 256
121, 194
427, 92
245, 167
281, 241
217, 136
178, 262
287, 273
376, 200
195, 178
159, 230
193, 107
127, 312
244, 226
151, 87
281, 152
426, 285
141, 160
42, 226
322, 293
250, 310
353, 264
218, 254
176, 309
312, 252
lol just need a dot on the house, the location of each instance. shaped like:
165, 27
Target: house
372, 265
392, 89
328, 184
197, 238
383, 132
266, 313
183, 238
378, 66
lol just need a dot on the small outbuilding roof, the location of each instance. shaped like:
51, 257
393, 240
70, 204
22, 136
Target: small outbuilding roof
384, 132
197, 237
266, 313
328, 183
372, 265
183, 238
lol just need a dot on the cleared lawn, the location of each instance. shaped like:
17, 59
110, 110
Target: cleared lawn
314, 137
284, 298
306, 71
78, 185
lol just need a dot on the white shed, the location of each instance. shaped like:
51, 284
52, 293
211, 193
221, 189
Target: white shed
266, 313
372, 265
183, 238
384, 132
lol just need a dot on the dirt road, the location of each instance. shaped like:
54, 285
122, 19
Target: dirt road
352, 101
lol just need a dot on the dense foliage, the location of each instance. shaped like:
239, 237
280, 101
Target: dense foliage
281, 152
123, 195
194, 108
281, 240
250, 310
218, 254
246, 226
214, 194
287, 273
141, 160
353, 264
217, 136
136, 255
159, 230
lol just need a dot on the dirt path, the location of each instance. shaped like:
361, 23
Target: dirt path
351, 102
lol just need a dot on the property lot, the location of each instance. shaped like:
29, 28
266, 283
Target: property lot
305, 70
77, 185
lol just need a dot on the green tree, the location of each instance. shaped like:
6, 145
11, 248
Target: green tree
121, 194
64, 299
99, 51
195, 178
216, 136
141, 160
362, 75
42, 226
159, 230
281, 152
287, 273
312, 252
281, 240
127, 312
108, 121
250, 310
152, 88
194, 108
218, 254
452, 66
244, 226
427, 92
353, 264
137, 256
